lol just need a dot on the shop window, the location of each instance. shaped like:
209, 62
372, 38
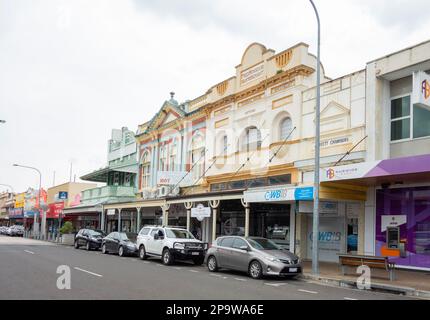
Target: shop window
421, 122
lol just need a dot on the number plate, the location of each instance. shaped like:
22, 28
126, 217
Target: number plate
293, 269
195, 253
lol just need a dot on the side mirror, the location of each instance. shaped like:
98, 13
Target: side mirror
244, 248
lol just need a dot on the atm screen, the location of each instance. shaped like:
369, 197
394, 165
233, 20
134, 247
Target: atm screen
393, 236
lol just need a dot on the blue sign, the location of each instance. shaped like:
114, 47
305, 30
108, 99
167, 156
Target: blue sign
63, 195
304, 193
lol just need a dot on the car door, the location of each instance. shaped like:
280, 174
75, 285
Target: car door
83, 238
158, 244
150, 244
239, 257
224, 252
115, 242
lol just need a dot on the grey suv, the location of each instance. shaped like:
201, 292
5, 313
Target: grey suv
257, 256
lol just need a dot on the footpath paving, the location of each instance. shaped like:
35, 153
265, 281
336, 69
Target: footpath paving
407, 282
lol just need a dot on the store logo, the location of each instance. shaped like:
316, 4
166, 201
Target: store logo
426, 89
330, 173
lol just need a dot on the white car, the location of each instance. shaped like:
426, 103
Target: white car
170, 243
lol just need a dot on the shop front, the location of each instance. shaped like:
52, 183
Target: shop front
83, 216
284, 214
53, 217
398, 208
16, 216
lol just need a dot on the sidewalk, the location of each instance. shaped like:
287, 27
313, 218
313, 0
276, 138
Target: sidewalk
408, 282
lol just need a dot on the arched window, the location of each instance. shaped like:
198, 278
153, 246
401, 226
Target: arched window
146, 170
252, 139
285, 127
173, 155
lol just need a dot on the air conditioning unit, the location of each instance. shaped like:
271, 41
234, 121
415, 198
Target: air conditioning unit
175, 192
163, 191
146, 194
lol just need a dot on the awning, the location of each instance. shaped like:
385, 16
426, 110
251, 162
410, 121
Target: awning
101, 175
391, 171
278, 194
136, 204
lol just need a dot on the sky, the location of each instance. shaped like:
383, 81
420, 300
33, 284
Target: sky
71, 70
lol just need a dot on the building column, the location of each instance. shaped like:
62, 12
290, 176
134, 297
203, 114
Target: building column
138, 219
102, 220
119, 220
247, 212
214, 204
188, 206
165, 209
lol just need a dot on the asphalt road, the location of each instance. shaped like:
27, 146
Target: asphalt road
28, 270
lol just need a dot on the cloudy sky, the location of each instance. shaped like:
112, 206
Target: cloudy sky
70, 70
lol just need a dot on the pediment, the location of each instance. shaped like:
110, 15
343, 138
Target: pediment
167, 114
333, 110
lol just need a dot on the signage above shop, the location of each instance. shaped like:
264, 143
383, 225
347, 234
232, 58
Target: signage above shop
200, 212
279, 194
421, 89
392, 221
252, 74
111, 212
63, 195
171, 178
54, 210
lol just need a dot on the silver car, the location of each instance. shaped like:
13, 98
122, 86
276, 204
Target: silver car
257, 256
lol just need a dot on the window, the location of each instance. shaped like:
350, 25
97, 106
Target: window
227, 242
144, 231
116, 179
252, 139
162, 164
286, 126
239, 243
146, 170
400, 118
407, 121
224, 145
197, 156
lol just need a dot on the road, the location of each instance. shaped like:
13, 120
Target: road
28, 270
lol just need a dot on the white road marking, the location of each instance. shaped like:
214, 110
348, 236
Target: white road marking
352, 299
195, 271
146, 262
28, 251
275, 284
178, 268
89, 272
308, 291
240, 279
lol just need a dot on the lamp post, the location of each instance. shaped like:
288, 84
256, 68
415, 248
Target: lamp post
315, 227
40, 187
7, 186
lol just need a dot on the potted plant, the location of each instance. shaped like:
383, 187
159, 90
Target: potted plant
67, 235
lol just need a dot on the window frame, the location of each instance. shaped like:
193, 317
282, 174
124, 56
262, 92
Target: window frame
410, 117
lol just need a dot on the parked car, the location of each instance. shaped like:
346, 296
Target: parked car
91, 239
254, 255
169, 243
3, 229
122, 243
16, 230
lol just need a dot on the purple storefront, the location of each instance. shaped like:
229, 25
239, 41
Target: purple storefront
399, 205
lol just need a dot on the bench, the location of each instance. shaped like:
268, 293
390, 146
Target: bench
370, 261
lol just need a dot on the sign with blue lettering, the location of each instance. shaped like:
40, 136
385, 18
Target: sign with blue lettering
304, 193
63, 195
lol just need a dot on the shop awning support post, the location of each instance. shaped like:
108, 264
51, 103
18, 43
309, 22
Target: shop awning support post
315, 248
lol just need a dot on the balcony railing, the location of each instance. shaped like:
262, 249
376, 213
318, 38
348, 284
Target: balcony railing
108, 192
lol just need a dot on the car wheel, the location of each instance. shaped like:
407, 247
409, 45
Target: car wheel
212, 264
88, 246
198, 261
104, 249
76, 244
167, 257
142, 252
255, 270
121, 251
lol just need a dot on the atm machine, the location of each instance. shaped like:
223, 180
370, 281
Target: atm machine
394, 242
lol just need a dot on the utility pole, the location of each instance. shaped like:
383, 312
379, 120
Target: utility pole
315, 227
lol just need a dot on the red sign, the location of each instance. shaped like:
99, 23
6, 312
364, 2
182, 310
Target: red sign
54, 210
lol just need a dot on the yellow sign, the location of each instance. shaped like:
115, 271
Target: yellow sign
19, 200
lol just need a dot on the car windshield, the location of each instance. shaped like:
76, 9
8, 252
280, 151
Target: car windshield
263, 244
96, 233
128, 236
178, 234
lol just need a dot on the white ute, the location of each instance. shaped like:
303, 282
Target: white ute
170, 243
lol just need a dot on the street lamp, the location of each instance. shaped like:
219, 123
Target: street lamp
7, 186
40, 189
315, 228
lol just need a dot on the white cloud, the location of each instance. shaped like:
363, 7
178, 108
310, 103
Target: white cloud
70, 70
